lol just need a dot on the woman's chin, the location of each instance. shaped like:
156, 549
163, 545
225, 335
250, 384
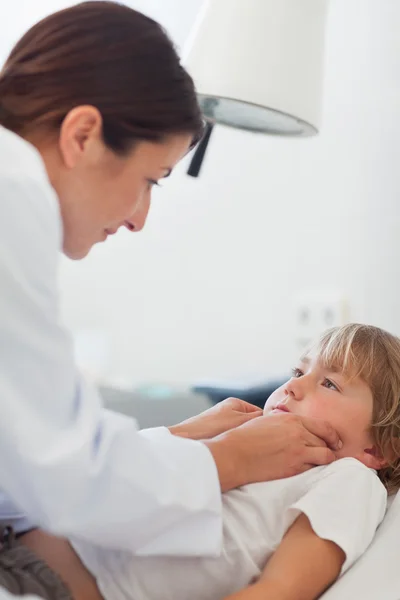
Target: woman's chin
75, 252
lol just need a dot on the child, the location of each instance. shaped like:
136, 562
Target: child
290, 539
351, 378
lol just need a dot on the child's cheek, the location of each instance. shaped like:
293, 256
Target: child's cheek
319, 409
273, 400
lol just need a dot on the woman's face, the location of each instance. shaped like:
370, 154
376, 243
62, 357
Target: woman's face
99, 191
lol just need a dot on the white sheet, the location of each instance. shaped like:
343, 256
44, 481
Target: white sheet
376, 576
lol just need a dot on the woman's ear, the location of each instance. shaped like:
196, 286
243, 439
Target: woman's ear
81, 133
373, 458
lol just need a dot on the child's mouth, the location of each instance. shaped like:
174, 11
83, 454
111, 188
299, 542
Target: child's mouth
281, 408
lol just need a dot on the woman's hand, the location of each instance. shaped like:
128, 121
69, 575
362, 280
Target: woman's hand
248, 447
220, 418
272, 447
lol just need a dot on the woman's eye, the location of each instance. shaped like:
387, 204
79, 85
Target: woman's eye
152, 183
296, 373
330, 385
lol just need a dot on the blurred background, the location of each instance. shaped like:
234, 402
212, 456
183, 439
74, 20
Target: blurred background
276, 240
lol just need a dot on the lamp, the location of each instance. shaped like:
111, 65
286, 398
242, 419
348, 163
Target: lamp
258, 65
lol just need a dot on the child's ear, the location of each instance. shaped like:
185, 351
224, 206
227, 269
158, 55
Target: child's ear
373, 458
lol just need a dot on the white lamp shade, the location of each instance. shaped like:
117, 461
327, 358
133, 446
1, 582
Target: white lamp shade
258, 64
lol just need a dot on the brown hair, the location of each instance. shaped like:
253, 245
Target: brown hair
373, 355
106, 55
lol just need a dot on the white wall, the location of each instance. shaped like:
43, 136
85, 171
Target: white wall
207, 289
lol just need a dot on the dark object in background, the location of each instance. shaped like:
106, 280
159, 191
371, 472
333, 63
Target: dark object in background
200, 151
257, 395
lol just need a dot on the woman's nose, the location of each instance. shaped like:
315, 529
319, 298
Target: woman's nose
135, 224
139, 217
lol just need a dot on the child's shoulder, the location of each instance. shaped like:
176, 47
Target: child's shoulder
350, 469
349, 463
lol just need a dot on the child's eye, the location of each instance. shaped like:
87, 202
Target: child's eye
330, 385
296, 373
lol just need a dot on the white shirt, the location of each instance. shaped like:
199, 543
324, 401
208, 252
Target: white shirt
72, 467
376, 575
344, 501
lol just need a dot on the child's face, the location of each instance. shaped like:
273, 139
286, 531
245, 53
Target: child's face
318, 393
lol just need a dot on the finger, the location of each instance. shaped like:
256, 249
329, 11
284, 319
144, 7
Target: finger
319, 456
249, 408
251, 416
304, 468
325, 431
241, 405
313, 440
243, 418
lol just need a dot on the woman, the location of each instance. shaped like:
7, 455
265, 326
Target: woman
94, 110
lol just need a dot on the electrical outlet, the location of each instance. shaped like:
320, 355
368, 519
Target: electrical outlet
315, 312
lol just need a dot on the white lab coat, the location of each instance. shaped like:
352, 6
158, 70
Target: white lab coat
72, 467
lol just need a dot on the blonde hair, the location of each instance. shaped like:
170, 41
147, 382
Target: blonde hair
373, 355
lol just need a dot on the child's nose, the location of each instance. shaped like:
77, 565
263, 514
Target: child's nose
295, 388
